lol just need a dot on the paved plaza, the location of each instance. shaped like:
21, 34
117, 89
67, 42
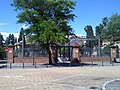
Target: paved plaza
57, 78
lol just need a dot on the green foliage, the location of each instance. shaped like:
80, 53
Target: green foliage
90, 36
48, 19
1, 39
21, 34
89, 31
10, 39
50, 31
101, 29
105, 21
107, 49
64, 50
111, 28
2, 48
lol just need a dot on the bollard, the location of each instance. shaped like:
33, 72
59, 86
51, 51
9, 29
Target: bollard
35, 65
23, 64
102, 63
47, 65
10, 65
58, 64
92, 63
6, 65
70, 64
81, 64
112, 63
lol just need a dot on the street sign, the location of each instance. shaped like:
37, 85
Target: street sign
6, 49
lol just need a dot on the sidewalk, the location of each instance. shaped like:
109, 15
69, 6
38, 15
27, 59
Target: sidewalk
42, 65
63, 78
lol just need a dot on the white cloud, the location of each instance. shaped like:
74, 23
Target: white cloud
5, 34
2, 24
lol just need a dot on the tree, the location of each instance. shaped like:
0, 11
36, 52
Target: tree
48, 20
1, 39
90, 36
101, 30
111, 30
99, 33
89, 31
21, 34
104, 22
1, 43
106, 50
10, 39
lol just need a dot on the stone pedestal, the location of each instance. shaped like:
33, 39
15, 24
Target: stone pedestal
76, 50
11, 54
113, 53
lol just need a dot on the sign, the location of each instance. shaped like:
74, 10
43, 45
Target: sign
6, 49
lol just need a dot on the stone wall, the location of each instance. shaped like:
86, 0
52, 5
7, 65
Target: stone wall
94, 59
43, 60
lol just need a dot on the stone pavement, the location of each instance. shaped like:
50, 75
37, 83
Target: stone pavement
112, 85
55, 78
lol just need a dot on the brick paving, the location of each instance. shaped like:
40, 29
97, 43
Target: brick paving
55, 78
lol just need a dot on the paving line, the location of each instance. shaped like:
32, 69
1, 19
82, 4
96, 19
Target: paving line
59, 79
13, 77
67, 85
48, 82
75, 86
23, 87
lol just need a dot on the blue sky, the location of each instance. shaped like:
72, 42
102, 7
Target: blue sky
88, 12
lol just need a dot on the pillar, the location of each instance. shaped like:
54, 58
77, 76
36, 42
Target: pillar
11, 54
113, 53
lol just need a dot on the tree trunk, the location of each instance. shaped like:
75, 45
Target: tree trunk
49, 53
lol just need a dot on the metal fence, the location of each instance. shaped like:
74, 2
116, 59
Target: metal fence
94, 52
30, 52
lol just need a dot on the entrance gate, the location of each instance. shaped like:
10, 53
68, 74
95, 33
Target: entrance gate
65, 54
